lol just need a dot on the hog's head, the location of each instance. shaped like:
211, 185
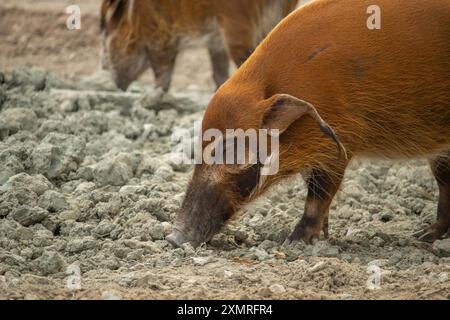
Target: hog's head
218, 191
123, 50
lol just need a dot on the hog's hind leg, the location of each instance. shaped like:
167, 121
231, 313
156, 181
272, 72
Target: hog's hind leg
322, 187
441, 170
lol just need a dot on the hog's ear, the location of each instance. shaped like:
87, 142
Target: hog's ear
283, 110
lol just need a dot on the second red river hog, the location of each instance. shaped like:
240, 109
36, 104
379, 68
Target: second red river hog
143, 34
336, 90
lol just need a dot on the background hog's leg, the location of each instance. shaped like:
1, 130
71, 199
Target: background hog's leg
163, 66
240, 53
322, 187
326, 224
239, 41
441, 170
219, 58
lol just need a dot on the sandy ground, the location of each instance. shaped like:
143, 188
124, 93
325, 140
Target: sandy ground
88, 191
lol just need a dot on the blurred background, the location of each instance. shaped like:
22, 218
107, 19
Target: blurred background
34, 33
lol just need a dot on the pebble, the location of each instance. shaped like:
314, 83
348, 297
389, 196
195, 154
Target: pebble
265, 293
240, 235
58, 154
53, 201
16, 119
318, 267
260, 254
201, 261
386, 217
114, 171
28, 216
51, 263
377, 241
277, 289
164, 173
111, 295
79, 245
323, 249
442, 247
443, 277
37, 183
378, 262
157, 231
103, 229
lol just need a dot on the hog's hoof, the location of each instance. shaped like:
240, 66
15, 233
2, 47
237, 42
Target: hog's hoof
431, 234
176, 239
287, 243
171, 239
292, 242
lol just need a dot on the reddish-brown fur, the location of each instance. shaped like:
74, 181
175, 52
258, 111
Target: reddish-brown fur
386, 93
139, 34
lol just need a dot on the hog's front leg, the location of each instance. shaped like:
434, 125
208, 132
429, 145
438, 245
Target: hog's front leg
322, 187
441, 229
219, 58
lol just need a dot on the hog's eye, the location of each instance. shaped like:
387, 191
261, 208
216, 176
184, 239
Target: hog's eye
247, 180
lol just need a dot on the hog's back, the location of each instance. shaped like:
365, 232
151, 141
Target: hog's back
385, 91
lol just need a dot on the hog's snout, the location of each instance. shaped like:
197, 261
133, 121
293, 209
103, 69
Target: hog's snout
204, 211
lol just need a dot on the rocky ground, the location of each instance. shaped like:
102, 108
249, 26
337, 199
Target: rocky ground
87, 184
88, 191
